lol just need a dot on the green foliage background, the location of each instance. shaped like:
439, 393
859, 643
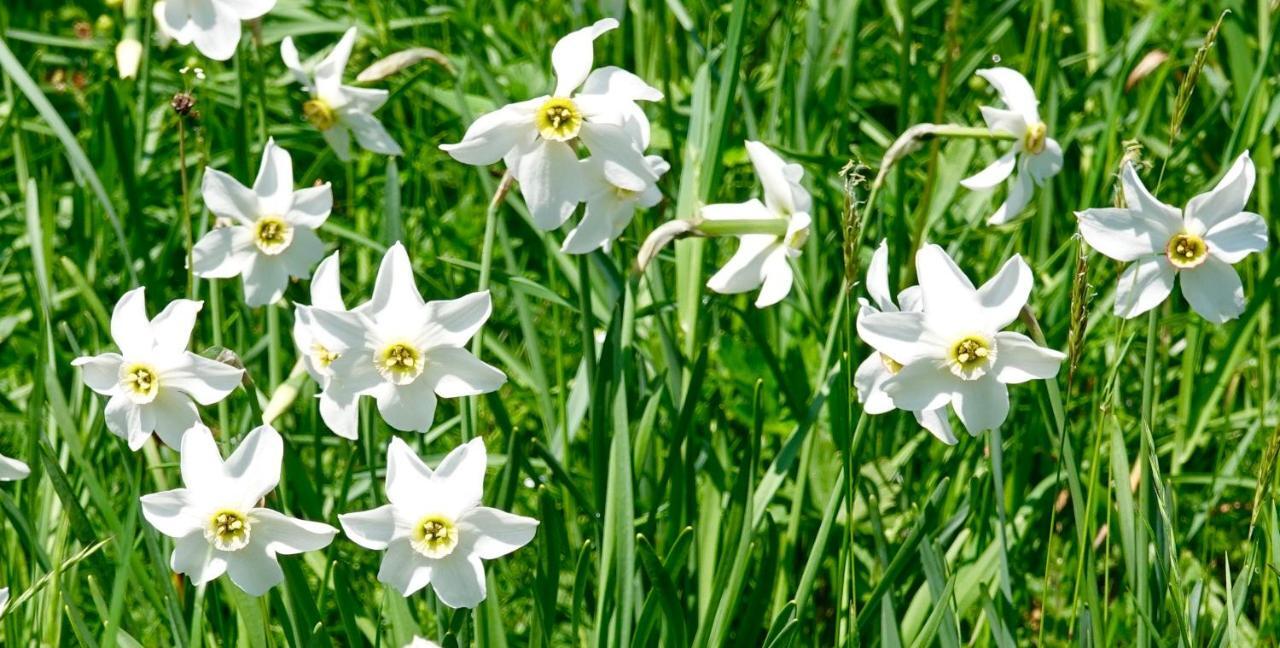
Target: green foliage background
705, 480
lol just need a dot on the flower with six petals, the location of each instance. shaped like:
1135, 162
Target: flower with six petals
213, 25
154, 382
1035, 157
340, 111
1198, 245
955, 351
217, 521
435, 530
271, 235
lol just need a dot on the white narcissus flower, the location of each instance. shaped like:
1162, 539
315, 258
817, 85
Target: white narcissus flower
154, 383
217, 521
402, 351
213, 25
1198, 245
610, 208
435, 530
955, 351
12, 469
762, 260
272, 230
1035, 157
536, 137
128, 55
318, 348
878, 368
339, 111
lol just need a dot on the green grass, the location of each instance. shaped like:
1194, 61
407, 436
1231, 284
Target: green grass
705, 478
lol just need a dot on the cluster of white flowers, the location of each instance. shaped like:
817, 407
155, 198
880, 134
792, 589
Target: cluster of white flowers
538, 140
943, 342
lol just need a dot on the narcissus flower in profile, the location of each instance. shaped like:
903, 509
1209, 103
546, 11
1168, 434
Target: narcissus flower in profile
610, 208
402, 351
154, 383
319, 349
213, 25
435, 530
340, 111
537, 137
956, 351
763, 259
1034, 158
878, 368
270, 231
217, 522
12, 469
1198, 245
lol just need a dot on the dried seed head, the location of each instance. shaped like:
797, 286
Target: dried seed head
183, 104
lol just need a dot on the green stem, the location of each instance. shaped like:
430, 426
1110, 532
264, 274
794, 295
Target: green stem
740, 226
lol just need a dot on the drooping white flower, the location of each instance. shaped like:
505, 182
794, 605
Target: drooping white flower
213, 25
762, 260
402, 351
435, 530
339, 111
271, 232
12, 469
955, 350
878, 368
610, 208
536, 137
1035, 157
1198, 245
154, 382
217, 522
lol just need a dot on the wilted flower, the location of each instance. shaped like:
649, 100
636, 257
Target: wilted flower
878, 368
536, 137
217, 521
1035, 156
213, 25
337, 110
762, 258
955, 350
402, 351
435, 530
272, 233
154, 380
610, 208
1198, 244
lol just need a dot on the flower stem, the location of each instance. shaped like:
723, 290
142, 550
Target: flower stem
486, 267
740, 226
186, 204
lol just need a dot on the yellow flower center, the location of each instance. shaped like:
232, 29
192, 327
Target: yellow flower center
320, 114
893, 366
1033, 141
435, 536
228, 530
624, 194
1187, 251
140, 381
971, 356
322, 355
796, 240
272, 235
558, 119
400, 363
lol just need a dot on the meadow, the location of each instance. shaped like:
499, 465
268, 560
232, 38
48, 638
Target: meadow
693, 427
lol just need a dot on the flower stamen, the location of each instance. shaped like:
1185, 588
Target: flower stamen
272, 235
971, 357
400, 363
1033, 141
558, 119
434, 536
228, 530
322, 355
141, 382
1187, 251
893, 366
320, 114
